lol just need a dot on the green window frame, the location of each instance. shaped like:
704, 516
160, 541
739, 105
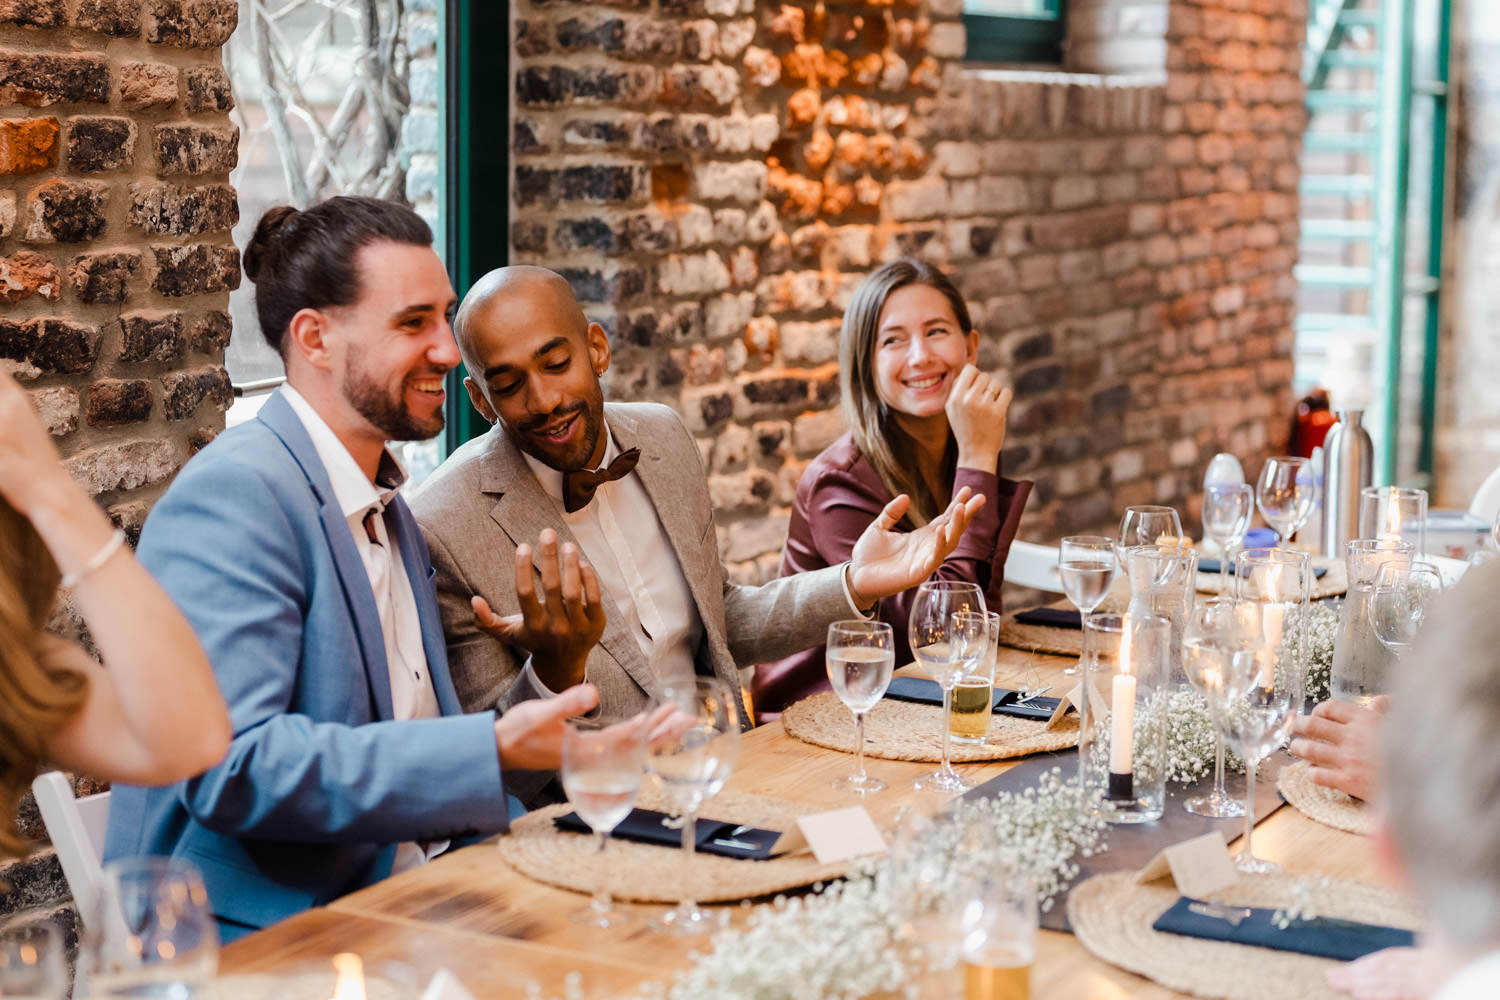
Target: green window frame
1017, 38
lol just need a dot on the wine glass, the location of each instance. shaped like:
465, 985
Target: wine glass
31, 961
1285, 493
1398, 604
152, 932
602, 767
1220, 650
1226, 518
1149, 524
1087, 566
860, 658
942, 642
692, 752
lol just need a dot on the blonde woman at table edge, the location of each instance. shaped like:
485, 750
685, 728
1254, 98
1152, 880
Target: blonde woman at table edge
152, 714
923, 421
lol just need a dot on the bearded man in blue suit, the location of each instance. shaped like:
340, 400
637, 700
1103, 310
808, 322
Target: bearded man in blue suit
287, 546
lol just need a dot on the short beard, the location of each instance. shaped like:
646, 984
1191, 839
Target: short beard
390, 416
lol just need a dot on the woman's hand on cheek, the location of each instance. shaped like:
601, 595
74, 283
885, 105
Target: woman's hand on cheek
976, 411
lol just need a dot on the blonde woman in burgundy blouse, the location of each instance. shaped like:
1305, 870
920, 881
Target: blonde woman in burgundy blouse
923, 421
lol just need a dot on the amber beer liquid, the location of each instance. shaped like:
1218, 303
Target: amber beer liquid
998, 974
970, 720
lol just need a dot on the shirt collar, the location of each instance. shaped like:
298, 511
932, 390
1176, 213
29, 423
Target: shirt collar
353, 492
550, 479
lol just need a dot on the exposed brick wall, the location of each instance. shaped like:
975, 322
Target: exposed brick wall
715, 176
115, 210
115, 257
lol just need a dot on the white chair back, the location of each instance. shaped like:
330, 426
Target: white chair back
77, 828
1034, 566
1486, 502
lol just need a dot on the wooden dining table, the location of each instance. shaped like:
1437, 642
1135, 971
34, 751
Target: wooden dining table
504, 935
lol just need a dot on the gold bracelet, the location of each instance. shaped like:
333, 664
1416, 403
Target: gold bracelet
106, 551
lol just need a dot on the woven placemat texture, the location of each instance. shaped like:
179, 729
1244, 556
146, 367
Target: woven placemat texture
1040, 638
1325, 805
1334, 583
906, 730
650, 873
1112, 918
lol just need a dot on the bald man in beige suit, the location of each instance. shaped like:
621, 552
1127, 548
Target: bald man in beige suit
628, 553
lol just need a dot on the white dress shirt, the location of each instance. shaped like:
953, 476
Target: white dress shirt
412, 695
1479, 980
622, 538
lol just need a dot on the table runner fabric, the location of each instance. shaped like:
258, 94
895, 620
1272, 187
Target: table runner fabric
1131, 847
904, 730
1112, 916
1324, 805
648, 873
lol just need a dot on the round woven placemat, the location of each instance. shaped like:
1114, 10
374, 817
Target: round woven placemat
907, 730
1112, 917
1333, 583
1041, 638
651, 873
298, 986
1325, 805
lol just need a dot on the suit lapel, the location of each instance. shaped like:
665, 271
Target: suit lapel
278, 415
663, 487
522, 510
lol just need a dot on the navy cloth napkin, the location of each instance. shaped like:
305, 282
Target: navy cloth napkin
645, 826
927, 692
1212, 566
1324, 937
1051, 617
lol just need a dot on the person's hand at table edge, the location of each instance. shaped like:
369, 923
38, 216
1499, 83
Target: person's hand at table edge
1339, 741
557, 627
530, 734
886, 561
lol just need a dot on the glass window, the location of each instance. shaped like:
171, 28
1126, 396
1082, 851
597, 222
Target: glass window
1011, 31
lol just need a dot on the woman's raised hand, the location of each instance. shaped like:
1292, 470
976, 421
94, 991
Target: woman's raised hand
28, 462
976, 411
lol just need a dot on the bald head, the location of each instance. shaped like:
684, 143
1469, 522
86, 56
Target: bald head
520, 294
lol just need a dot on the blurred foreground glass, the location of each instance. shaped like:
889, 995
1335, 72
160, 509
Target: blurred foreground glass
32, 965
152, 933
1285, 493
973, 696
860, 658
944, 644
1399, 602
997, 930
1393, 514
1086, 564
602, 768
1220, 655
1122, 745
694, 743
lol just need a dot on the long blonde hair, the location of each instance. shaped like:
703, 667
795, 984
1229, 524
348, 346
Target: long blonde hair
885, 445
35, 700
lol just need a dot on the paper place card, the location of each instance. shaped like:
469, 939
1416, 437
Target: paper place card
445, 986
1063, 704
1200, 867
837, 835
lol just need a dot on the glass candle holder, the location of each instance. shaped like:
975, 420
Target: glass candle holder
1394, 514
1163, 582
1361, 664
1122, 745
1280, 580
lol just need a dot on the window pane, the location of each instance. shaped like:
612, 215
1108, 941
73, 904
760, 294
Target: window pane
1013, 8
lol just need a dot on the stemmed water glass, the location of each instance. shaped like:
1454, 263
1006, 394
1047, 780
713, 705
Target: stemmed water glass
1399, 601
1221, 648
1226, 518
1285, 494
150, 930
602, 767
31, 961
944, 642
1149, 524
860, 658
1087, 566
692, 749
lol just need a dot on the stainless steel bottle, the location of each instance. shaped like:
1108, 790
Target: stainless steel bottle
1348, 467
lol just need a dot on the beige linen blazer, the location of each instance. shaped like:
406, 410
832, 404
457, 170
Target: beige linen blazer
483, 502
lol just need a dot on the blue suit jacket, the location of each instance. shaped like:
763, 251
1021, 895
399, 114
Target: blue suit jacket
319, 784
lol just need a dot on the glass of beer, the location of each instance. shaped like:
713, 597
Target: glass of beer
998, 937
972, 697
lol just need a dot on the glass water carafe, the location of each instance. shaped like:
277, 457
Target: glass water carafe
1361, 663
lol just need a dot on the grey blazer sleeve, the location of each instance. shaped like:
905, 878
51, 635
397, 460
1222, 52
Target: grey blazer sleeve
484, 669
801, 606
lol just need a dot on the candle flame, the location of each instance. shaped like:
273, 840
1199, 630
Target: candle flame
351, 977
1271, 582
1392, 514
